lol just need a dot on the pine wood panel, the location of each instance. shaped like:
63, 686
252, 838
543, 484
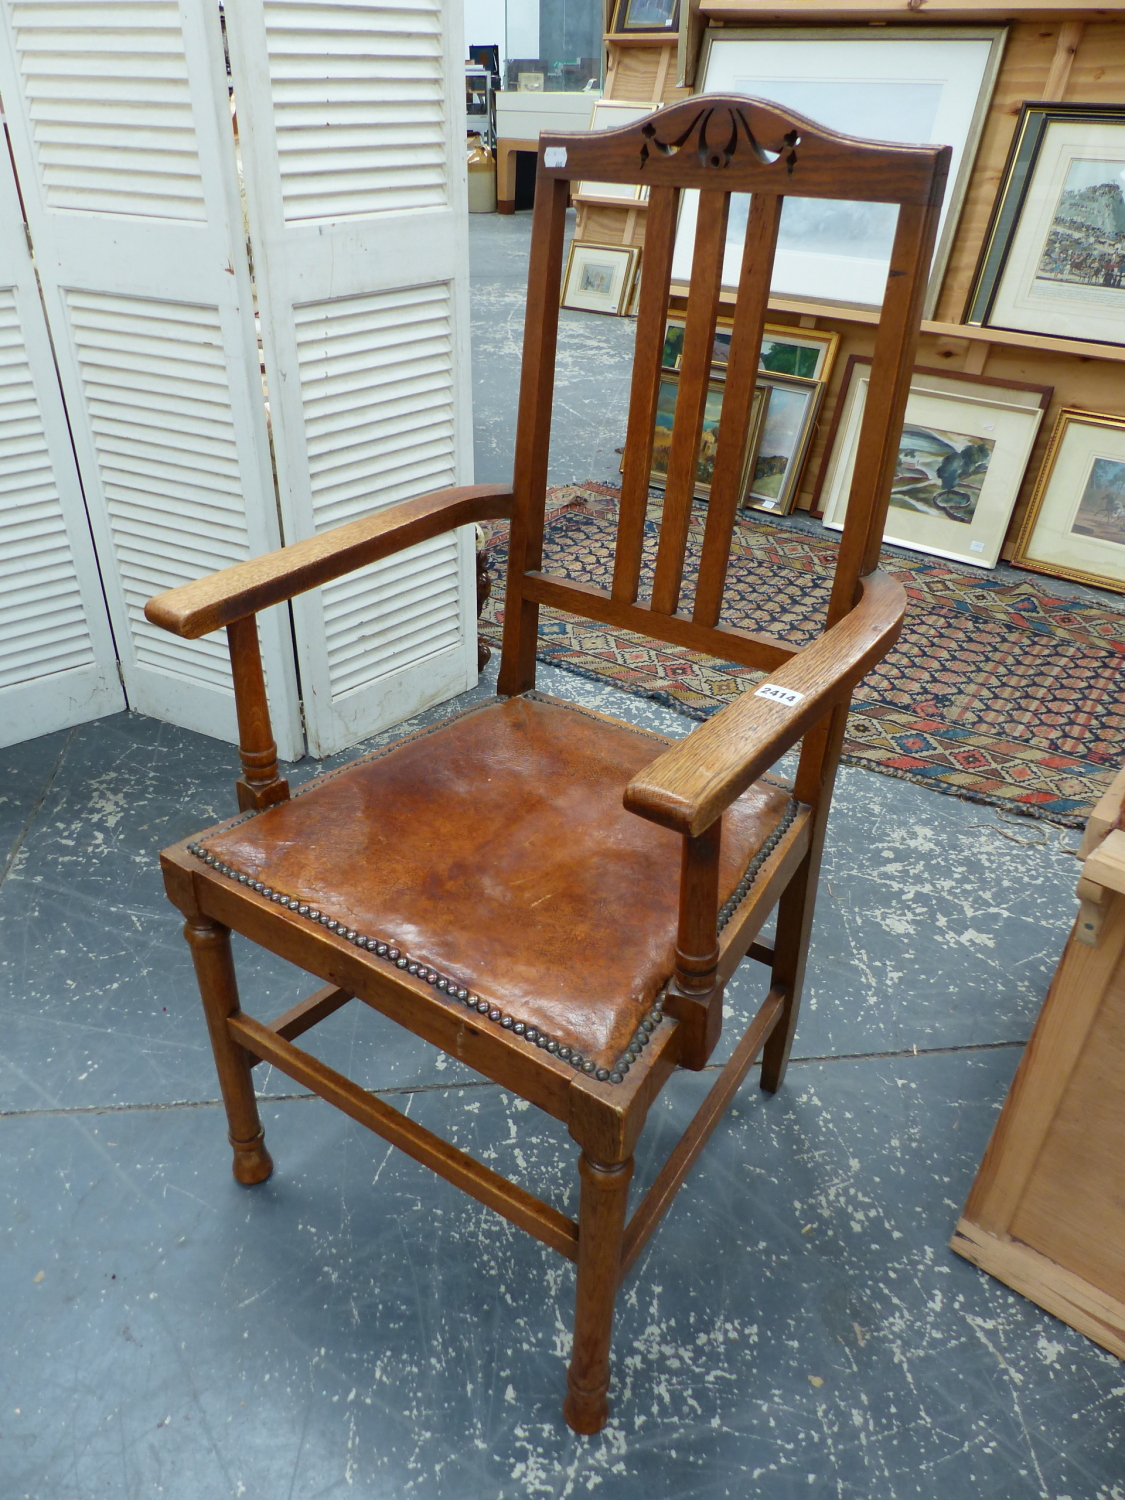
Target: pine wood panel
1023, 75
1069, 1209
1046, 1213
1098, 73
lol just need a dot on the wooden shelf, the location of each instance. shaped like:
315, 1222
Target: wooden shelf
1045, 343
756, 12
641, 39
625, 204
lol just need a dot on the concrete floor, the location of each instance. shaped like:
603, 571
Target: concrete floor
354, 1326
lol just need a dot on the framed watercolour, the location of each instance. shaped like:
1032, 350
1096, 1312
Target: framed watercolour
790, 416
610, 114
898, 83
705, 468
1075, 525
633, 16
965, 446
1054, 255
785, 351
599, 278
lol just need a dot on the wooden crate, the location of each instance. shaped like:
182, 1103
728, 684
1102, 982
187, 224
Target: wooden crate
1046, 1213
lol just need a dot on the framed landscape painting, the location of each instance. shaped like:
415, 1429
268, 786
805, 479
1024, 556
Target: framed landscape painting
927, 85
1054, 255
787, 427
1075, 524
965, 446
785, 351
709, 441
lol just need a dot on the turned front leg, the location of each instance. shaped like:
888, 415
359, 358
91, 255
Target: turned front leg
214, 969
601, 1228
694, 997
261, 783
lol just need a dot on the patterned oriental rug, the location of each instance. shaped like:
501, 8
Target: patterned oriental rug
997, 692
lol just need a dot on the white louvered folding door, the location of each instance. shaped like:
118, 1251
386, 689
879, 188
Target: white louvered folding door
351, 128
58, 665
121, 133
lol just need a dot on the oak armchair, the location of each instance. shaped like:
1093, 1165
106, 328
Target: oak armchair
550, 895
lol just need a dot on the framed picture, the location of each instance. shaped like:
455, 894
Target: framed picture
1054, 255
785, 351
965, 445
599, 278
647, 15
610, 114
708, 446
787, 429
930, 85
1075, 524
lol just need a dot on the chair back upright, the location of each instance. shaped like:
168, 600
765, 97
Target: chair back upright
717, 145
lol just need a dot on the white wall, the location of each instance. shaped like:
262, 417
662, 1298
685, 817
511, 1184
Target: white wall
484, 24
523, 28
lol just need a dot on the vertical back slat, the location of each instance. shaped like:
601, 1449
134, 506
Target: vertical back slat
533, 430
738, 402
695, 374
896, 343
656, 273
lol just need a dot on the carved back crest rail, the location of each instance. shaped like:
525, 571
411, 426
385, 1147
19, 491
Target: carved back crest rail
718, 146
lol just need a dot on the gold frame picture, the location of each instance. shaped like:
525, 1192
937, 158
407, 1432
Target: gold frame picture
1075, 524
804, 352
1054, 257
787, 427
599, 278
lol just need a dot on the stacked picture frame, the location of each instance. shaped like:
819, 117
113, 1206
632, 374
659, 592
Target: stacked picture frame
1025, 316
794, 369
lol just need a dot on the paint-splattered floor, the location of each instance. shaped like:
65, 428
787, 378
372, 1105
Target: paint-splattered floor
354, 1326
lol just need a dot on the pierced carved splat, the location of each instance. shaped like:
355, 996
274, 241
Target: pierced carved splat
727, 124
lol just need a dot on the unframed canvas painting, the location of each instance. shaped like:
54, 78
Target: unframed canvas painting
940, 473
1086, 242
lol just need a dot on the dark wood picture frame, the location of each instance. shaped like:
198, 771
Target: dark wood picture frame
1035, 119
621, 26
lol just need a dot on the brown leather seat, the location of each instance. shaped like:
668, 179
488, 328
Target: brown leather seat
494, 853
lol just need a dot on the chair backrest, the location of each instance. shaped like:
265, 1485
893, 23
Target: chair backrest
719, 145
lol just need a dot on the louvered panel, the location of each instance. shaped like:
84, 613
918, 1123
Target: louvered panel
155, 381
393, 614
107, 92
358, 104
43, 626
377, 393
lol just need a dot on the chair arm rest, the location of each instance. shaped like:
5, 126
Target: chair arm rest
197, 608
691, 784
